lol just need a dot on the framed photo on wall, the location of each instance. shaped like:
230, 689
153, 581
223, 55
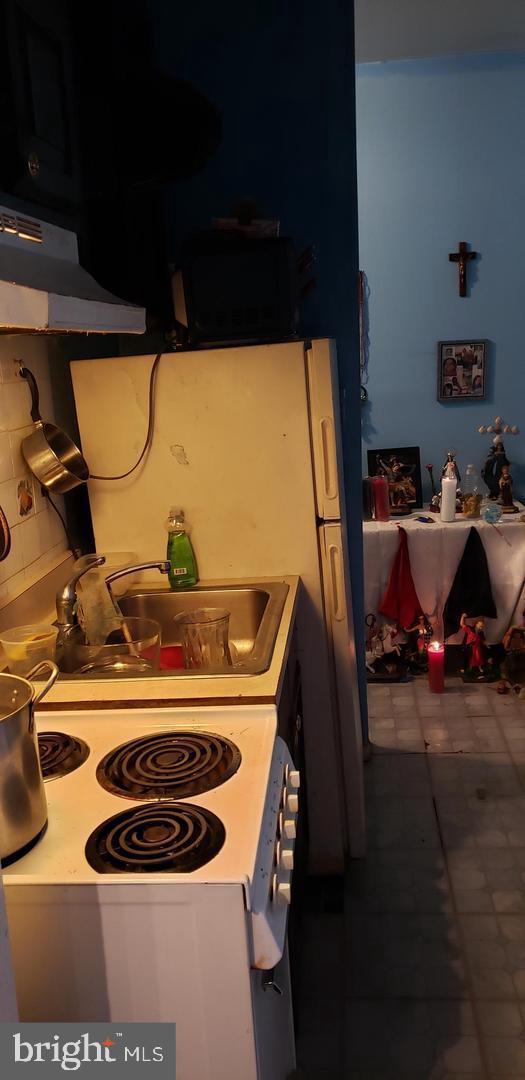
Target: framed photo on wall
402, 468
462, 370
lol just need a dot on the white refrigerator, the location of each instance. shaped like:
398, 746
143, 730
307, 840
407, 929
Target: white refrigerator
247, 441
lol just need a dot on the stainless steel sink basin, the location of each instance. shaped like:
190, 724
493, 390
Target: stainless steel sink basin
255, 613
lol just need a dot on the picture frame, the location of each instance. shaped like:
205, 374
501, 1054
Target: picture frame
462, 370
409, 496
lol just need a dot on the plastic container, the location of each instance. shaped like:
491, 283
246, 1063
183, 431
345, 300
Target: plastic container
134, 649
183, 573
25, 646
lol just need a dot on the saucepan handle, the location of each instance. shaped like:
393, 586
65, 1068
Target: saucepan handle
42, 666
26, 374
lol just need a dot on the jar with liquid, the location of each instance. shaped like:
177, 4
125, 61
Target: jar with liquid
472, 495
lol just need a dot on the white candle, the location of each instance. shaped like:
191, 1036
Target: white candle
448, 498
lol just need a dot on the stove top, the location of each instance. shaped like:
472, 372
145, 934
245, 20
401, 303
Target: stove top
173, 837
60, 754
175, 764
232, 747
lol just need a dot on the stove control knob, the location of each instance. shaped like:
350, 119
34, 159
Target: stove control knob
293, 780
286, 858
284, 891
281, 890
291, 803
283, 857
288, 829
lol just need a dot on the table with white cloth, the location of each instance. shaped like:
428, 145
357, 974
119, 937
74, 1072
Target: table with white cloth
435, 551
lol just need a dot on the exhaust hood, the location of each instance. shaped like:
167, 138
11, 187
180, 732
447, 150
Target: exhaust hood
44, 289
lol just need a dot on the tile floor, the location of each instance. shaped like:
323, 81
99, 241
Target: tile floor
423, 975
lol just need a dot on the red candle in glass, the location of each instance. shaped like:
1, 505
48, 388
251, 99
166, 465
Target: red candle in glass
436, 667
381, 498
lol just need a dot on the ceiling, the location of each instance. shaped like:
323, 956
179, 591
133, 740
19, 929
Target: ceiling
406, 29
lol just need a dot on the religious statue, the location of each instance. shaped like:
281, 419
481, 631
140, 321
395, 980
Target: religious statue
451, 460
479, 665
419, 637
383, 651
493, 467
450, 468
505, 492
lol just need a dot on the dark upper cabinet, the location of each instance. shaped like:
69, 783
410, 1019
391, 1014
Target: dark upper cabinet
39, 159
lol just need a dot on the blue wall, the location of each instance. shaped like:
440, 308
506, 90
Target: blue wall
282, 76
441, 158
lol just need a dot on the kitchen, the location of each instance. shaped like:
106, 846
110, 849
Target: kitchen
251, 556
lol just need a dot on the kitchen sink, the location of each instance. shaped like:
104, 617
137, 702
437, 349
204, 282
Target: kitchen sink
255, 614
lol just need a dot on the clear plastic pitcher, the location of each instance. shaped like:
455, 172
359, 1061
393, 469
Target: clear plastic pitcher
203, 634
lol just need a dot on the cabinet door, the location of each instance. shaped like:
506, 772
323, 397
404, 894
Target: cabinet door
40, 163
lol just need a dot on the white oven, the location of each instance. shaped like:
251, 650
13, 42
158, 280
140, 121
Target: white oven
160, 890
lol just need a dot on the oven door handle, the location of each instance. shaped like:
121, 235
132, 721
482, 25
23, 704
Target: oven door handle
268, 982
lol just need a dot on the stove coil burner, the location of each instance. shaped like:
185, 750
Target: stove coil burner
156, 838
174, 764
60, 754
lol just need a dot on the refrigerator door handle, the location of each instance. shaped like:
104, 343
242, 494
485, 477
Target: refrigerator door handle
335, 564
329, 457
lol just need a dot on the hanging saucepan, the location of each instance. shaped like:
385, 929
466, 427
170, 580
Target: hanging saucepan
23, 806
5, 536
51, 455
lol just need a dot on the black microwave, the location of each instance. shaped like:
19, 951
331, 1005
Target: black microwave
234, 290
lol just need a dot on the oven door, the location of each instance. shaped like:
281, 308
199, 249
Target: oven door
273, 1020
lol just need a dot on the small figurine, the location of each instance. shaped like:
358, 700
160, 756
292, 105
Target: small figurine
505, 492
382, 651
451, 460
420, 636
435, 501
479, 664
450, 468
493, 467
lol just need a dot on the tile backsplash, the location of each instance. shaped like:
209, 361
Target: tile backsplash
37, 535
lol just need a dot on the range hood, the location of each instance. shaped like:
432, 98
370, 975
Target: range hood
43, 288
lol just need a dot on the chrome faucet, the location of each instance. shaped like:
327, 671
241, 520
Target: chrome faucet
66, 600
163, 565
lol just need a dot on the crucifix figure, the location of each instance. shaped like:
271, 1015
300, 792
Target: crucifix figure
462, 257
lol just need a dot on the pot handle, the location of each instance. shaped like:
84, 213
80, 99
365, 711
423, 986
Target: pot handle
26, 374
42, 666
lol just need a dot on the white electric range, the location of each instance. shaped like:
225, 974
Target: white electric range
160, 889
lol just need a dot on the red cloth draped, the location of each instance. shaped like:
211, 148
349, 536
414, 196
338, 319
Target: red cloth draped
401, 602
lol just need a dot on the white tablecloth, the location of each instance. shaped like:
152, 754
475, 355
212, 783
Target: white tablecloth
435, 551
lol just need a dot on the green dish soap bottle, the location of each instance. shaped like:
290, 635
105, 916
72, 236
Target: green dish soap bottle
183, 573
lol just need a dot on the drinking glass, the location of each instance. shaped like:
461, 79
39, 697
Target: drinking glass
132, 647
203, 634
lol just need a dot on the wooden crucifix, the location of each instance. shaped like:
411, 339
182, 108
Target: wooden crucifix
461, 257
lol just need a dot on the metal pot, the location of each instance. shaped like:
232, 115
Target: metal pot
23, 806
52, 456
